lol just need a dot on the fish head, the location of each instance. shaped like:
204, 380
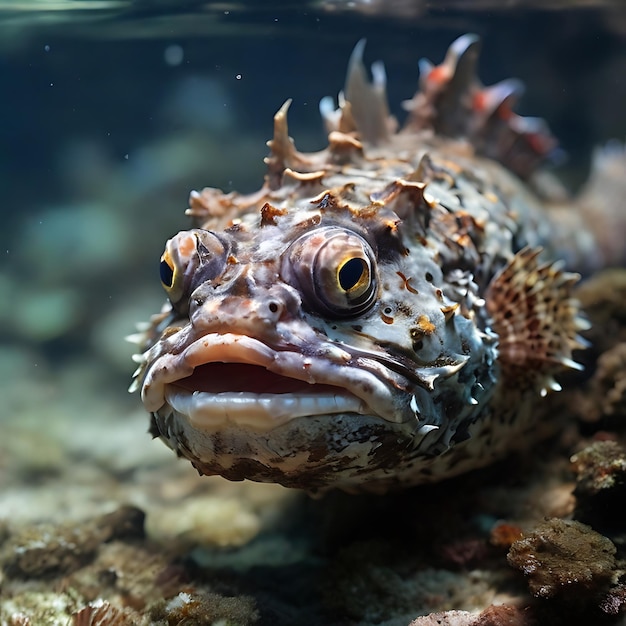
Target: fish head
298, 348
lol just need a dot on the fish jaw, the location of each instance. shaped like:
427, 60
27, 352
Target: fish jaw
221, 378
237, 407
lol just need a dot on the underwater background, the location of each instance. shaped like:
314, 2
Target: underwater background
110, 113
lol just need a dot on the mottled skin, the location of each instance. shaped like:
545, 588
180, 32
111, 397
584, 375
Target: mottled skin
377, 314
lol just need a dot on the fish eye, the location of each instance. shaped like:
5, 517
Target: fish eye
191, 258
335, 271
353, 275
166, 271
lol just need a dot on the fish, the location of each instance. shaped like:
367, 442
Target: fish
389, 311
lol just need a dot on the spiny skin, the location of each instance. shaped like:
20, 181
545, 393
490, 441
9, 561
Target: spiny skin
376, 315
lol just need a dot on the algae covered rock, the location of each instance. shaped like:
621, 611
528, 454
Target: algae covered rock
45, 550
565, 559
501, 615
600, 484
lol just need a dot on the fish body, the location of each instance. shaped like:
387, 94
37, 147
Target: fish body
383, 313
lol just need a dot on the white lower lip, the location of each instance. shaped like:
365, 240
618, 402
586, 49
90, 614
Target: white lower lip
354, 388
263, 411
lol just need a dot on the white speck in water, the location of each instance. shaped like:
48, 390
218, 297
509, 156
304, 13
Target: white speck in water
51, 84
126, 157
46, 48
174, 55
238, 76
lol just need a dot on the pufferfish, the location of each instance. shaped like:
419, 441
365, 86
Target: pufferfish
388, 311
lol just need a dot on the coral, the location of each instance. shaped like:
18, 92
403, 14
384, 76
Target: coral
201, 607
40, 551
101, 613
600, 483
125, 573
599, 467
46, 550
565, 559
105, 573
446, 618
492, 616
19, 619
35, 608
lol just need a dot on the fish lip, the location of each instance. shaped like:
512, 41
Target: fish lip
255, 411
359, 390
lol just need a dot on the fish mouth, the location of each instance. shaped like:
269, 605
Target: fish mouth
234, 379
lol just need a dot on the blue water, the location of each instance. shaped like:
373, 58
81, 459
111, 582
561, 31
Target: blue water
110, 115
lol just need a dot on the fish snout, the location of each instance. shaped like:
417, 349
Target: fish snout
255, 311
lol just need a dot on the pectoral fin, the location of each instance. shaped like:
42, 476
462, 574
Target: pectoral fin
536, 319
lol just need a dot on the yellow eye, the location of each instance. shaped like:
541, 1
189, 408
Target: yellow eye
166, 270
190, 258
178, 255
335, 271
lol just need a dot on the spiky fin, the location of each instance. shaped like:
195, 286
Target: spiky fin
536, 319
441, 102
452, 102
283, 153
363, 107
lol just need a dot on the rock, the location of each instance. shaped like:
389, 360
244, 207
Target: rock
565, 559
45, 550
600, 484
100, 612
492, 616
605, 395
201, 607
